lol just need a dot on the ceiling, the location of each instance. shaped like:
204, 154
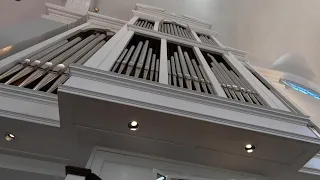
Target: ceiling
10, 174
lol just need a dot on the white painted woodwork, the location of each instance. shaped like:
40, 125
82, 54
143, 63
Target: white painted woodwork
32, 165
214, 81
78, 5
112, 164
312, 166
63, 14
217, 41
163, 71
11, 60
107, 63
156, 26
74, 177
103, 52
195, 36
150, 98
133, 20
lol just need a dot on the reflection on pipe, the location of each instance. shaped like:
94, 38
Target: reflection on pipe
185, 71
139, 59
47, 69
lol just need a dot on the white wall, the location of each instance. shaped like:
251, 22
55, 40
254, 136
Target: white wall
13, 12
265, 28
13, 34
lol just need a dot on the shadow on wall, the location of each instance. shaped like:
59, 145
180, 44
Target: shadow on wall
295, 64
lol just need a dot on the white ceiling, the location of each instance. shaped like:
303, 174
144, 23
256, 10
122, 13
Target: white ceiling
265, 28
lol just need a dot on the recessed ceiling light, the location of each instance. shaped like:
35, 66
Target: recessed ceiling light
9, 137
249, 148
96, 9
133, 125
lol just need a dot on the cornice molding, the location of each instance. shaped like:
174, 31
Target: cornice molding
184, 19
63, 14
29, 118
310, 171
105, 21
157, 88
28, 95
104, 97
173, 38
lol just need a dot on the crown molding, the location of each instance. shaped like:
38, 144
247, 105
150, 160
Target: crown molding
63, 14
105, 21
184, 19
158, 88
100, 76
28, 95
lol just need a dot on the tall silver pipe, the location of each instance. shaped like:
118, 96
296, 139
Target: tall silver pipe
145, 24
147, 65
134, 58
26, 62
175, 30
192, 72
63, 56
242, 88
59, 81
224, 83
126, 59
183, 33
169, 73
171, 29
201, 79
153, 64
119, 60
36, 63
184, 68
141, 59
174, 72
179, 32
90, 53
208, 83
60, 68
157, 71
178, 68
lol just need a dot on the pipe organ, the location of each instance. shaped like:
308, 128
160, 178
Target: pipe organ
47, 69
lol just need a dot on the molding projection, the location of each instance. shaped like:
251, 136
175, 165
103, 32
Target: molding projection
184, 19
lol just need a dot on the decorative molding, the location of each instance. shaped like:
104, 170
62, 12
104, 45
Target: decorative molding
310, 171
226, 122
240, 55
28, 95
169, 91
29, 118
169, 37
63, 14
106, 21
184, 19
